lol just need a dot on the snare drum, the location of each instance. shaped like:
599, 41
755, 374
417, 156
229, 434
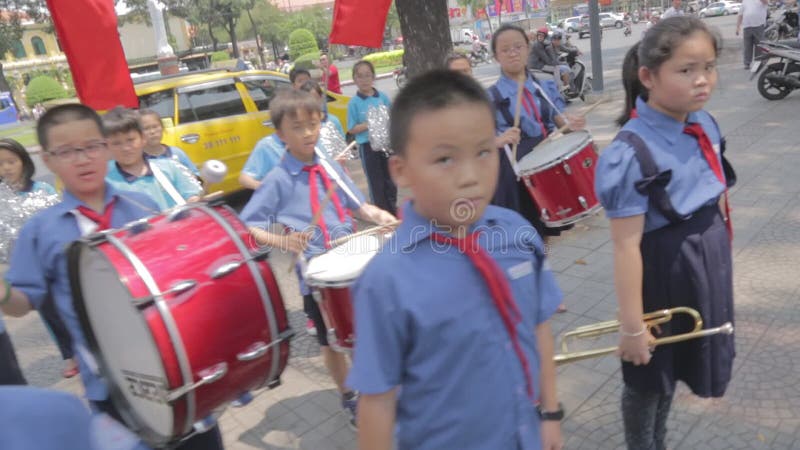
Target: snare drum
331, 275
182, 316
559, 175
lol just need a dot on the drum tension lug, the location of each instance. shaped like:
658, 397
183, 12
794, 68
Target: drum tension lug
207, 376
138, 227
272, 384
179, 214
177, 288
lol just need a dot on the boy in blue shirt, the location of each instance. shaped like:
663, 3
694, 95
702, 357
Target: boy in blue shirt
160, 179
264, 157
453, 347
293, 193
74, 148
153, 132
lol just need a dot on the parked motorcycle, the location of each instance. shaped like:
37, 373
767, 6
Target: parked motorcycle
400, 77
783, 24
777, 68
582, 84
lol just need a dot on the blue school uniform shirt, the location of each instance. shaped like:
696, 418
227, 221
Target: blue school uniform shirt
693, 183
37, 419
508, 92
357, 111
148, 185
265, 156
38, 264
284, 198
40, 186
427, 324
174, 153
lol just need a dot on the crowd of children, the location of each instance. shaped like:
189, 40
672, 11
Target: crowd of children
454, 345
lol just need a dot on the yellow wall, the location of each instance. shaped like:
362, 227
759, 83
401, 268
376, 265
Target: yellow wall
28, 33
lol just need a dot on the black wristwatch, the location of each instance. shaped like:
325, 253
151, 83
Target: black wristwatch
556, 415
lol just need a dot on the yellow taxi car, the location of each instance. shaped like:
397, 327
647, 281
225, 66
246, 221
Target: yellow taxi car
220, 115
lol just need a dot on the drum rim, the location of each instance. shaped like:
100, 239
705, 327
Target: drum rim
258, 280
557, 161
115, 392
349, 279
574, 219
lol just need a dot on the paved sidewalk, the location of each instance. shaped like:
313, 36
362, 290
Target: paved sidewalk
762, 407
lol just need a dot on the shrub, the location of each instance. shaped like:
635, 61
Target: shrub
220, 56
44, 88
385, 59
307, 61
302, 42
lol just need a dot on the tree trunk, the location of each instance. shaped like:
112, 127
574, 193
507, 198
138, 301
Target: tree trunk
214, 41
258, 40
230, 27
426, 33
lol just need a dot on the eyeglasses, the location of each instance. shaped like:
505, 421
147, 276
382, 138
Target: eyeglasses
91, 150
519, 48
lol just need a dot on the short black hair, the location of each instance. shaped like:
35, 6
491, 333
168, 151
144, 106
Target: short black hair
28, 168
363, 62
312, 85
61, 114
431, 91
122, 120
454, 56
503, 29
288, 102
294, 73
149, 112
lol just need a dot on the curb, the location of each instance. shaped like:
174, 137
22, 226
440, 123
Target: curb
377, 77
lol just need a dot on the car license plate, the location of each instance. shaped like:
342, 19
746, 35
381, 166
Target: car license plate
755, 66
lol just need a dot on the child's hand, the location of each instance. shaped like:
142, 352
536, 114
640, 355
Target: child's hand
384, 218
551, 435
576, 122
295, 242
635, 349
509, 137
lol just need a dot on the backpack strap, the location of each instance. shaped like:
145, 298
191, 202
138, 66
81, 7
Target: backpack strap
654, 183
502, 104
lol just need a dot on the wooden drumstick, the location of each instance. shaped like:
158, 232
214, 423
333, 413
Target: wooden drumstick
315, 219
346, 150
368, 231
517, 114
564, 128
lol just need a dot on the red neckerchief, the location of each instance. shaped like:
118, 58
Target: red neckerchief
313, 171
499, 289
696, 130
530, 106
103, 221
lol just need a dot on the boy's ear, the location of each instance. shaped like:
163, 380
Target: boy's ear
398, 170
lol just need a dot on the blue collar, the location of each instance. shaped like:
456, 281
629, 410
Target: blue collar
167, 153
131, 178
416, 228
364, 97
70, 202
667, 127
293, 165
507, 84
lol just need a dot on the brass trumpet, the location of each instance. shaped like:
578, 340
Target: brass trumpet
651, 319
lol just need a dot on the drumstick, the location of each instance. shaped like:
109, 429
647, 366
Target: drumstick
517, 114
564, 128
368, 231
212, 196
315, 218
346, 150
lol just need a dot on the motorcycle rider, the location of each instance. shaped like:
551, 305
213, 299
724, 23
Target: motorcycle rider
478, 47
543, 57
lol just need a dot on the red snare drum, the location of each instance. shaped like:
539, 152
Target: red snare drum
559, 176
331, 275
181, 317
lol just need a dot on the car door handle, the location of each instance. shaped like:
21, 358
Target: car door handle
192, 138
267, 123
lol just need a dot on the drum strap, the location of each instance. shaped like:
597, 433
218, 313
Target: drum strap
654, 184
166, 185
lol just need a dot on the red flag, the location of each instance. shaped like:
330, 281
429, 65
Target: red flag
87, 30
359, 22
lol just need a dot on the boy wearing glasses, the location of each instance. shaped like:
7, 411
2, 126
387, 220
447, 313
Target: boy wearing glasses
74, 149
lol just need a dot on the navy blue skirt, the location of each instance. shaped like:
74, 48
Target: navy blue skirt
688, 264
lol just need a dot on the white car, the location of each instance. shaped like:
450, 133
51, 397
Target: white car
570, 24
611, 20
720, 9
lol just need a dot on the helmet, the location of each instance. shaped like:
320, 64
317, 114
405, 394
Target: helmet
556, 35
543, 31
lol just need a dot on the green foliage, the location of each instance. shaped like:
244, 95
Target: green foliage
385, 59
307, 61
220, 56
302, 42
42, 89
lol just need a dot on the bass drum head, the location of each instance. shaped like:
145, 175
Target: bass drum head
344, 263
543, 155
121, 340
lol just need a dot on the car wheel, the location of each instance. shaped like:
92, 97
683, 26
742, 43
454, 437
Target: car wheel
702, 15
618, 24
570, 30
726, 13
